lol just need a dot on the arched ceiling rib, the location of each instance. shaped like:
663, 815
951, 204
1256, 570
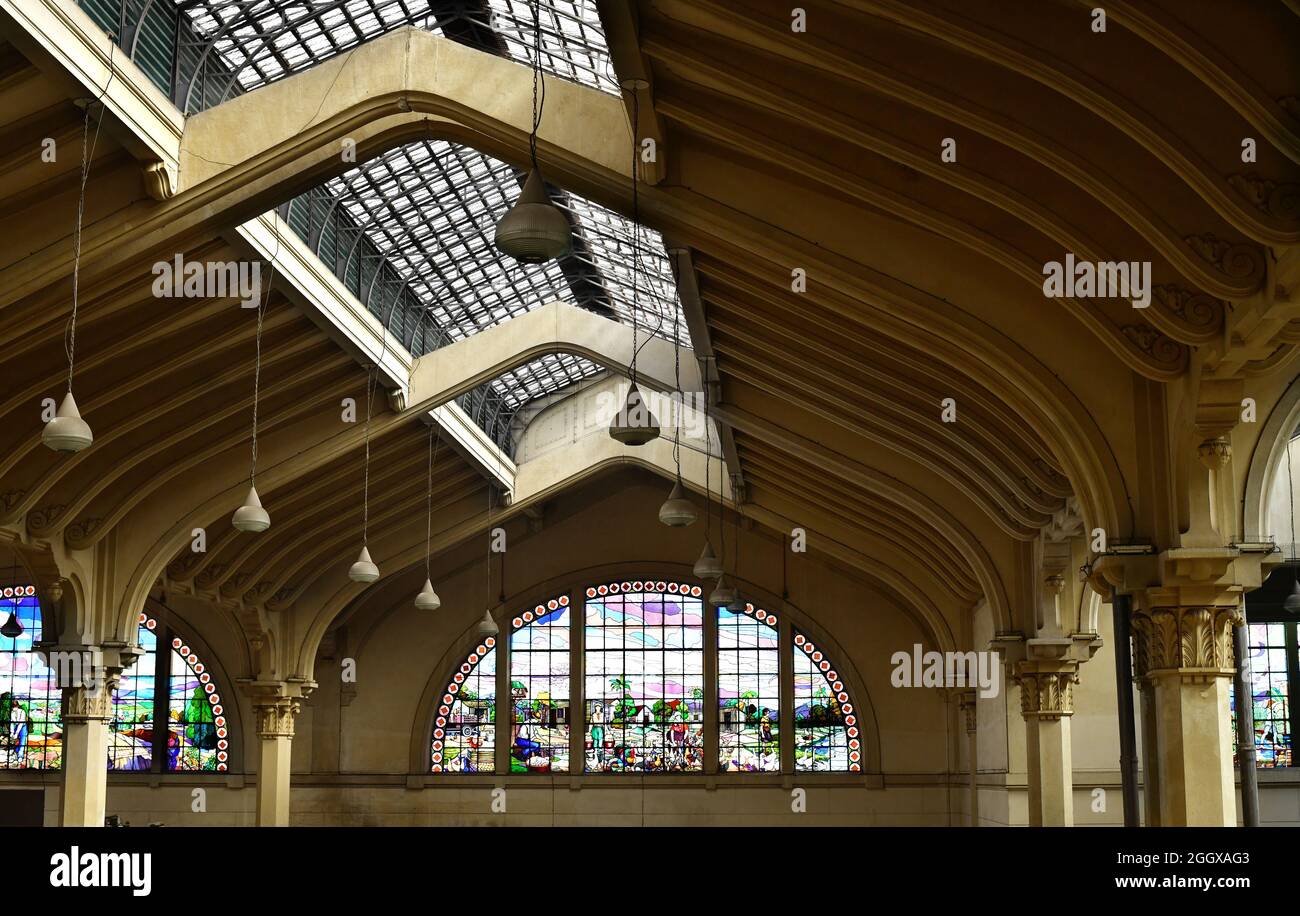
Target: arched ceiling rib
761, 122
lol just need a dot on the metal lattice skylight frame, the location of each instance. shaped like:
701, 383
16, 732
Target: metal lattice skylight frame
430, 208
236, 45
411, 231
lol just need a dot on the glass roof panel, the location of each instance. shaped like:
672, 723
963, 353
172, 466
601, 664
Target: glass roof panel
259, 41
430, 208
413, 228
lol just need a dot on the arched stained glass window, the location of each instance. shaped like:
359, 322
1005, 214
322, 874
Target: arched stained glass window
539, 688
464, 729
30, 732
749, 690
826, 737
174, 687
640, 659
644, 678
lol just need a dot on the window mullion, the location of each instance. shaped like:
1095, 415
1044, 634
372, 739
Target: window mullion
577, 687
1292, 685
711, 739
505, 701
785, 644
161, 699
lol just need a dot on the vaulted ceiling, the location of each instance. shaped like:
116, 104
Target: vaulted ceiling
846, 280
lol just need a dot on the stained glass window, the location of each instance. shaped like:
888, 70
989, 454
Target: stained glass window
31, 727
30, 730
539, 688
131, 730
1268, 671
749, 690
464, 730
826, 737
644, 678
198, 736
641, 658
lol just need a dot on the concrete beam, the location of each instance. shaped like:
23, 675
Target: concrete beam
556, 327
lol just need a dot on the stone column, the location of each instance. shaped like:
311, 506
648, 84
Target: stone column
968, 708
275, 716
1047, 702
1184, 660
86, 713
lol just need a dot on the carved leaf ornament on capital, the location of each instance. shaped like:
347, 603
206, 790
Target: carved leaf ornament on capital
1192, 641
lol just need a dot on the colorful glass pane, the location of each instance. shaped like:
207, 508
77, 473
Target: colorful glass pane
31, 728
1268, 671
31, 734
749, 690
197, 733
826, 737
539, 689
644, 678
464, 728
131, 730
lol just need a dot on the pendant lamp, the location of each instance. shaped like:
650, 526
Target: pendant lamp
427, 599
708, 566
723, 595
67, 432
677, 511
364, 569
634, 424
251, 516
534, 230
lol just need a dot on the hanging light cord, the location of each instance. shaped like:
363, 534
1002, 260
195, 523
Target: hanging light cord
257, 357
636, 230
539, 84
488, 595
434, 442
372, 383
87, 154
708, 471
677, 380
1290, 490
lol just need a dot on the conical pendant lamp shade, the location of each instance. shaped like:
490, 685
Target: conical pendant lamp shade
428, 599
1291, 604
677, 511
534, 229
67, 432
708, 566
634, 424
487, 626
12, 629
724, 595
251, 516
364, 569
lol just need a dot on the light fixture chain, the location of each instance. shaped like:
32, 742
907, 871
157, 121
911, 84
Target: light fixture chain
434, 442
257, 356
87, 154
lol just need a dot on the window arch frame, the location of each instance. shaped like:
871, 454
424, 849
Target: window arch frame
790, 619
165, 629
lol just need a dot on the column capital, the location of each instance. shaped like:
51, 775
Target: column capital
1193, 643
1047, 688
966, 702
275, 717
89, 703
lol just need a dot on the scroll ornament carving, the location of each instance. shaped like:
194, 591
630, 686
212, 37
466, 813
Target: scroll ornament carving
1239, 261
